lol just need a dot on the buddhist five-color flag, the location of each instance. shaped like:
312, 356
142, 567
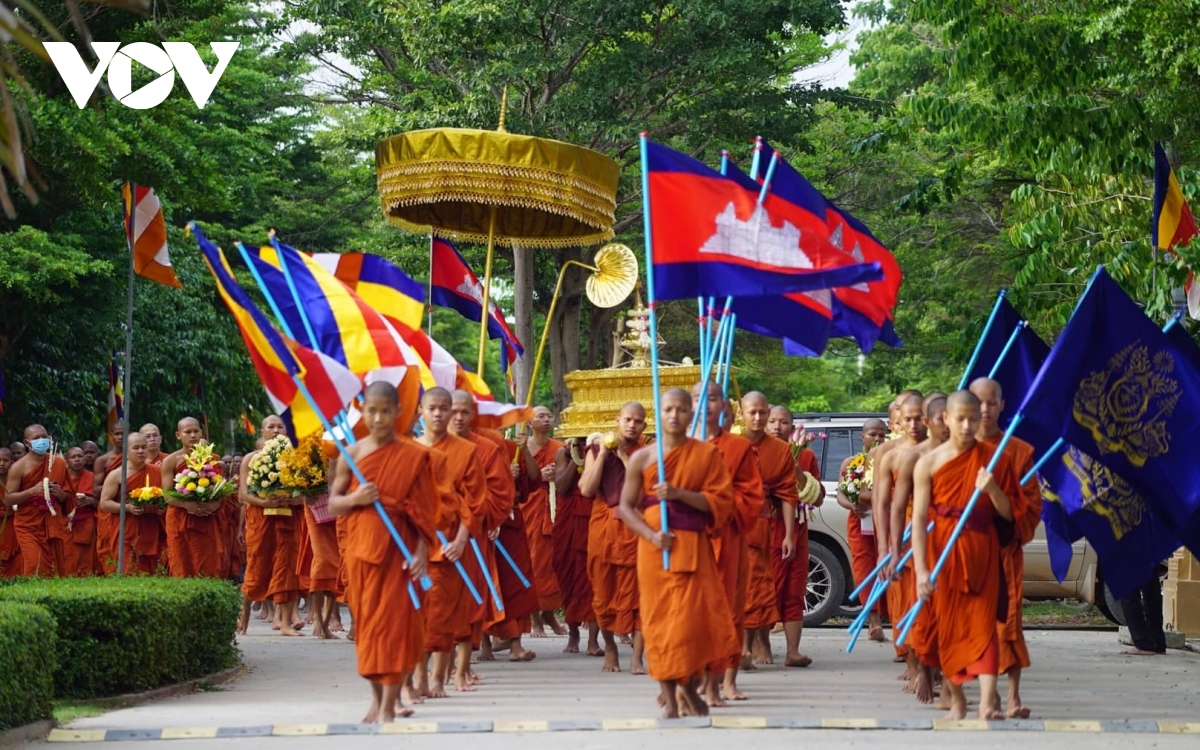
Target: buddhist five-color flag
1173, 225
146, 233
116, 407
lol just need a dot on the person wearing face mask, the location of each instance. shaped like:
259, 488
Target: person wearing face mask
40, 533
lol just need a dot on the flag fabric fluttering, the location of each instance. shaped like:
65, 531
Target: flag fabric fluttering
146, 233
1020, 366
1116, 388
453, 284
248, 424
279, 360
709, 236
116, 394
1173, 225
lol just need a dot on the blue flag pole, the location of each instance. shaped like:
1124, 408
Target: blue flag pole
511, 562
487, 575
983, 337
1008, 345
707, 364
958, 527
461, 570
728, 359
658, 430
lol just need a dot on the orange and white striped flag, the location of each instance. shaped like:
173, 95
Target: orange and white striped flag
146, 232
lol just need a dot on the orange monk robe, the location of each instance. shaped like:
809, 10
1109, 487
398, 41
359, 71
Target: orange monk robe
285, 581
902, 592
389, 632
106, 530
774, 467
499, 497
519, 601
40, 535
615, 596
143, 533
968, 588
539, 531
571, 532
791, 575
260, 554
79, 553
729, 542
10, 551
196, 544
320, 560
234, 539
227, 528
864, 555
446, 606
164, 548
686, 619
1027, 513
467, 476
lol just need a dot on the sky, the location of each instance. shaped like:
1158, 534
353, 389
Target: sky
837, 71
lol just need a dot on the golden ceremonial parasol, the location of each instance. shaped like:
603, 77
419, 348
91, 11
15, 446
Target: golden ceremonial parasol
496, 187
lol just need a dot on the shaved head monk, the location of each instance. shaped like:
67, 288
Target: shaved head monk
143, 526
1027, 513
571, 548
539, 525
502, 524
91, 452
860, 528
18, 450
449, 608
195, 545
10, 551
897, 465
79, 551
789, 540
40, 521
730, 544
686, 617
612, 546
106, 462
389, 630
966, 594
154, 442
779, 488
259, 533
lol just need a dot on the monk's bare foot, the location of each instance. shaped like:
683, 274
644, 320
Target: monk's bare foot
1137, 652
256, 606
875, 633
243, 623
437, 689
1018, 711
476, 678
412, 695
503, 645
898, 659
731, 692
908, 688
626, 640
290, 631
699, 707
637, 667
336, 626
372, 716
685, 704
537, 632
797, 660
923, 688
747, 664
557, 628
612, 662
299, 625
521, 654
990, 714
768, 659
712, 695
463, 684
903, 675
595, 651
957, 713
572, 646
350, 635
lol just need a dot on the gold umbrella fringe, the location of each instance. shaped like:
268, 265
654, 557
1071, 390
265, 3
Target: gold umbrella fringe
459, 172
548, 198
547, 243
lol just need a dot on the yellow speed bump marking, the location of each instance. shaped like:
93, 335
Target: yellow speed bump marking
849, 723
524, 725
739, 722
627, 724
409, 727
963, 725
1179, 727
299, 730
1053, 725
77, 735
188, 733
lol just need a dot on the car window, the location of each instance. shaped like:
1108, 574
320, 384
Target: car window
837, 447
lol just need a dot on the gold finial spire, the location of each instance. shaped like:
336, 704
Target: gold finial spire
503, 109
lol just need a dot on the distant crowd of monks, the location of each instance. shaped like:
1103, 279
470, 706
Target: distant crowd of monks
510, 531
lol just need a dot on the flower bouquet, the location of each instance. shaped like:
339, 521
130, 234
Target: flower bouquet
199, 479
801, 438
264, 479
798, 441
853, 481
149, 496
305, 472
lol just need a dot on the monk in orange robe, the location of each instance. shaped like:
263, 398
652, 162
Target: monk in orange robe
494, 455
389, 630
729, 542
571, 524
195, 544
860, 528
789, 541
153, 442
40, 523
612, 546
686, 618
897, 465
778, 476
10, 551
540, 451
79, 553
259, 534
448, 605
1027, 514
320, 561
143, 526
966, 594
106, 523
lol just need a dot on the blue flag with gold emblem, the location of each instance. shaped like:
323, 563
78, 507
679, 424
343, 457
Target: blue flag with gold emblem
1116, 387
1084, 498
1021, 363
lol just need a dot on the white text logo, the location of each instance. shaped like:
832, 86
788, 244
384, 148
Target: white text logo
118, 61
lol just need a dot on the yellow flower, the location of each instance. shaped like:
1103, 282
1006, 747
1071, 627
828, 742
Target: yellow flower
191, 486
203, 482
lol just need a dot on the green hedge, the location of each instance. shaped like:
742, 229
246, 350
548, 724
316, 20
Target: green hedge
27, 645
122, 635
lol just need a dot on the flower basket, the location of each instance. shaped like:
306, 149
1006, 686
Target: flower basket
201, 478
319, 505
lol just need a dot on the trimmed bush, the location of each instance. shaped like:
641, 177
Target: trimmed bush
122, 635
27, 644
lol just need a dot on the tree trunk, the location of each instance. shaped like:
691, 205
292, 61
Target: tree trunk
523, 261
599, 345
564, 342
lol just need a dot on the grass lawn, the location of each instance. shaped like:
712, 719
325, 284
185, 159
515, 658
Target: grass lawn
65, 713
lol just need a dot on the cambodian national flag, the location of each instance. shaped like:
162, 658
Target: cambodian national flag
455, 285
709, 236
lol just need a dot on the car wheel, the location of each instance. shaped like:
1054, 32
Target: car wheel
826, 584
1109, 605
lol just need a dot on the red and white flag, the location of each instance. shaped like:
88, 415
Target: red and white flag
146, 232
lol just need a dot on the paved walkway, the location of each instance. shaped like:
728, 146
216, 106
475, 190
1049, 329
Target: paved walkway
309, 682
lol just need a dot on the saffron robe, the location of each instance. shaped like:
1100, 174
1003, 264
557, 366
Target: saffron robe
500, 494
774, 461
539, 531
791, 575
10, 551
968, 588
195, 544
40, 535
520, 601
570, 538
143, 533
446, 606
615, 597
686, 618
466, 476
389, 631
79, 552
324, 559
